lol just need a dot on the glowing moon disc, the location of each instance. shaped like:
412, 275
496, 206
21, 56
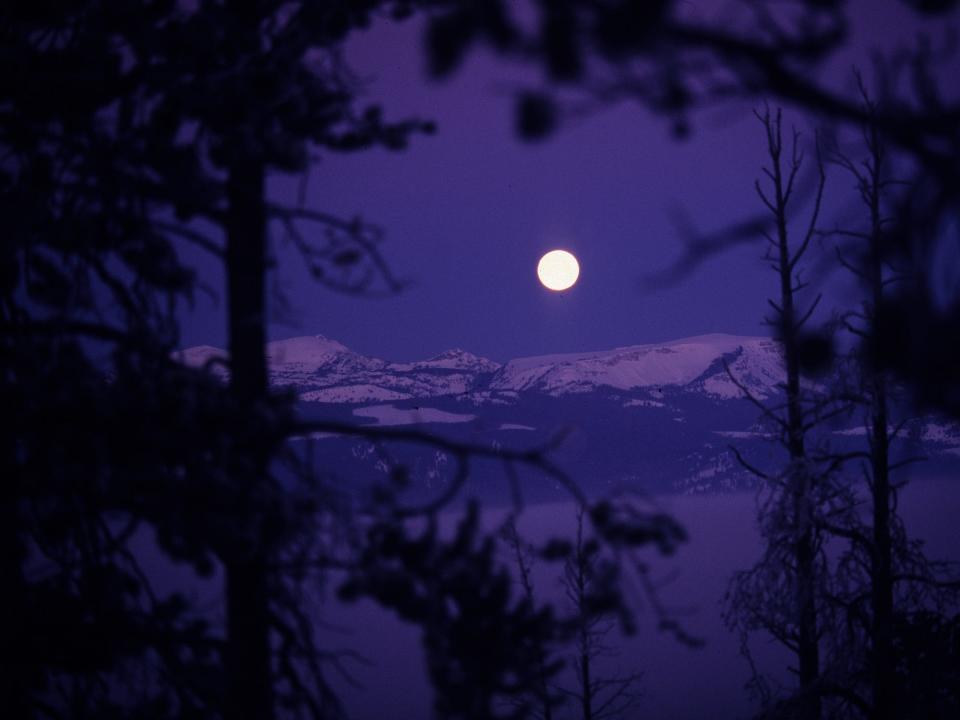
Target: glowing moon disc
558, 270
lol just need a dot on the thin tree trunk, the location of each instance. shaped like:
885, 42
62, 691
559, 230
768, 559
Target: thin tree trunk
249, 691
808, 650
13, 639
585, 680
881, 596
543, 689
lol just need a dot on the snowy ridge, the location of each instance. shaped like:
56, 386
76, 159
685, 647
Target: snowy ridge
311, 351
323, 370
455, 359
390, 415
755, 362
757, 365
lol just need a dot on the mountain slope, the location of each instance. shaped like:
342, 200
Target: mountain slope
660, 415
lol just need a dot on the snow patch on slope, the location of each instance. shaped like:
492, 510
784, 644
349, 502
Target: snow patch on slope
944, 433
641, 402
390, 415
455, 359
312, 351
757, 365
352, 394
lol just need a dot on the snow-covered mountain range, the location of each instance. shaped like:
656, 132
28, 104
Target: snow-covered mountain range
661, 415
323, 370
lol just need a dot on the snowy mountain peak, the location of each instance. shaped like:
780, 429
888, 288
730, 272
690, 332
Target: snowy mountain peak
453, 353
458, 359
204, 356
309, 350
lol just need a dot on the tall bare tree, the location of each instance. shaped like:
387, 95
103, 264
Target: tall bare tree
780, 595
888, 577
872, 180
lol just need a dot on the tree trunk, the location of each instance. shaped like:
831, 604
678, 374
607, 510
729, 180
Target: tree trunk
249, 691
14, 639
881, 595
881, 591
808, 650
586, 682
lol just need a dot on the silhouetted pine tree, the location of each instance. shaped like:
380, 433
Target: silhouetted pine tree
104, 424
586, 573
590, 580
121, 127
522, 556
484, 649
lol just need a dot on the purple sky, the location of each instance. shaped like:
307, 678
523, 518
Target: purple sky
469, 211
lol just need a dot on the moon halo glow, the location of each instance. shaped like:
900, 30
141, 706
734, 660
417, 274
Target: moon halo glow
558, 270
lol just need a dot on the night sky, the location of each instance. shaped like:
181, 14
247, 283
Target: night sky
468, 212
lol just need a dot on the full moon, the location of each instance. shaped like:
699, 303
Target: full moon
558, 270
